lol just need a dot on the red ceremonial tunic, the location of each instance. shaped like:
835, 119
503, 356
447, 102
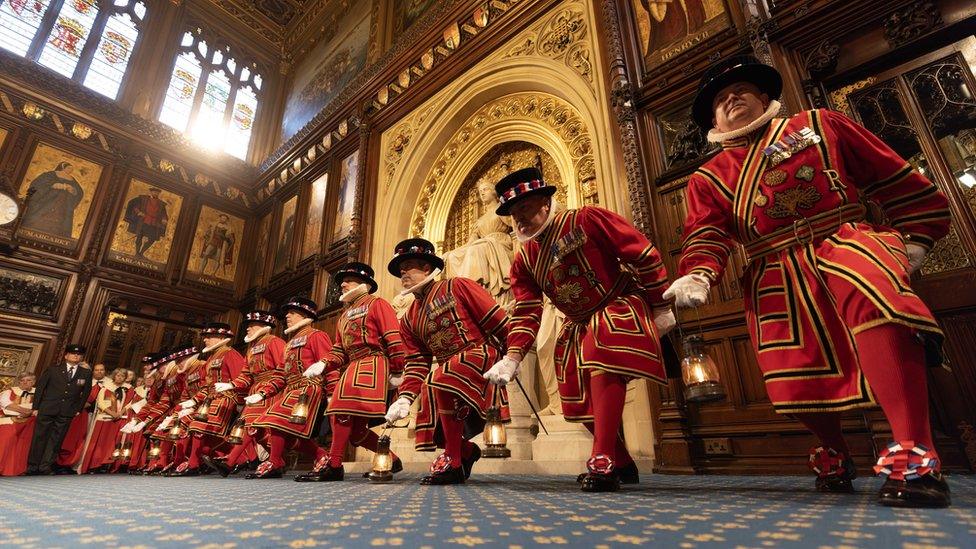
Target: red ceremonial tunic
457, 323
367, 350
194, 378
172, 391
73, 444
223, 365
105, 428
306, 347
578, 262
16, 433
818, 273
136, 401
157, 403
265, 356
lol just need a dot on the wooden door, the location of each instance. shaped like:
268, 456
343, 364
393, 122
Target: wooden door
925, 109
130, 337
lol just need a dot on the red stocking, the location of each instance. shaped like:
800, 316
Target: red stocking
451, 427
309, 448
893, 362
165, 448
278, 442
609, 392
622, 456
341, 431
826, 426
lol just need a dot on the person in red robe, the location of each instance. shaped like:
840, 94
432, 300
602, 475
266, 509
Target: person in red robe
265, 356
73, 445
133, 445
369, 354
295, 391
145, 420
147, 219
209, 427
109, 405
832, 316
457, 322
608, 279
16, 426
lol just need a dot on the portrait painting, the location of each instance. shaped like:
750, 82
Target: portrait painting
407, 12
17, 357
669, 28
327, 69
316, 211
261, 252
146, 226
61, 186
215, 250
347, 196
286, 233
28, 293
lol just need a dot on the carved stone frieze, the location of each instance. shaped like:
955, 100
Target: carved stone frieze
823, 59
556, 114
562, 36
912, 21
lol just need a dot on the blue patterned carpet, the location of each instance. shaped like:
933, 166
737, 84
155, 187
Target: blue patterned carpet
490, 511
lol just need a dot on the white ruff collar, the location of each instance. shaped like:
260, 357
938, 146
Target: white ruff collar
298, 325
420, 286
259, 333
715, 136
554, 208
352, 294
217, 345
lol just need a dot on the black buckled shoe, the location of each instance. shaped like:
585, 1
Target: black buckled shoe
397, 467
187, 472
451, 475
217, 465
266, 470
927, 491
468, 463
627, 474
835, 471
599, 482
322, 472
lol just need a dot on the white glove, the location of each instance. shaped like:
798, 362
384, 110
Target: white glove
254, 399
664, 320
398, 410
185, 412
139, 426
221, 387
395, 381
690, 290
315, 369
916, 255
503, 371
129, 427
188, 403
165, 423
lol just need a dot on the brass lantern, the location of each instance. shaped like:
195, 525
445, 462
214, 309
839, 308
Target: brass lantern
236, 435
203, 410
127, 450
382, 470
700, 373
176, 431
154, 451
117, 453
299, 414
495, 437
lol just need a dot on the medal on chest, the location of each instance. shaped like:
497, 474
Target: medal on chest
790, 144
298, 342
440, 305
258, 349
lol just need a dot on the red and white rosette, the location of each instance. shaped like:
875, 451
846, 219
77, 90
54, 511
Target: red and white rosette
906, 460
601, 464
827, 462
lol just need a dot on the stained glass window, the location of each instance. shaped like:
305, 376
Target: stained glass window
19, 22
213, 95
65, 42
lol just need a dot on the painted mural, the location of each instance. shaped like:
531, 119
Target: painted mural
316, 213
286, 233
407, 12
261, 253
62, 186
347, 196
669, 28
327, 69
146, 226
215, 250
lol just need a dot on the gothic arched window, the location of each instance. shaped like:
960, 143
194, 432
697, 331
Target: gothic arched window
89, 41
212, 95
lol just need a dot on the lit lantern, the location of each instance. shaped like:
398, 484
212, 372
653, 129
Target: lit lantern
700, 373
117, 453
236, 435
154, 451
203, 410
176, 431
299, 414
495, 437
127, 450
382, 470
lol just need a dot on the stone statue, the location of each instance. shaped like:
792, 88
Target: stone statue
487, 256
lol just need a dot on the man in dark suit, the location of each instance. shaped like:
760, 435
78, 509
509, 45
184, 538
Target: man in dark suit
60, 394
